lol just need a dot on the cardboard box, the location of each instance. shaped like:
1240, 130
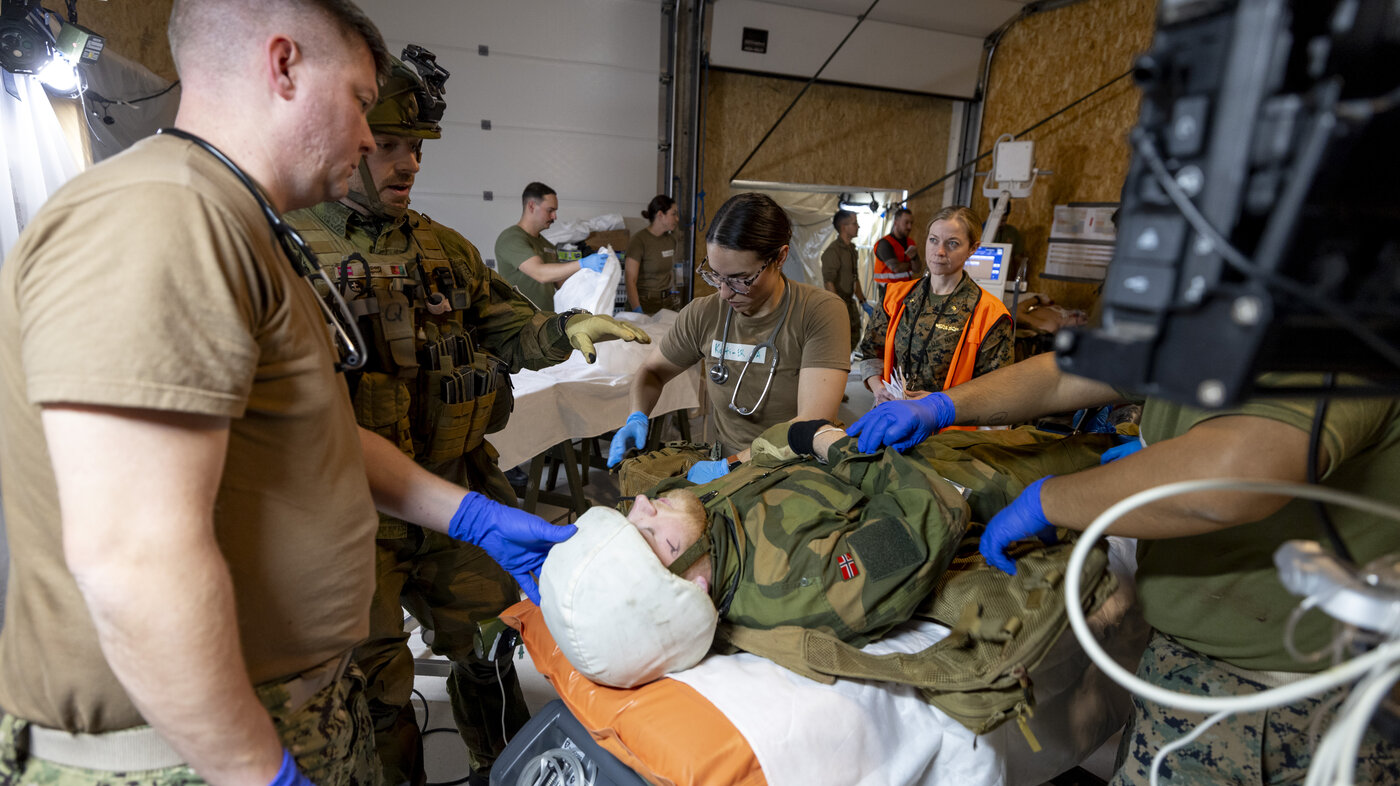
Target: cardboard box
616, 238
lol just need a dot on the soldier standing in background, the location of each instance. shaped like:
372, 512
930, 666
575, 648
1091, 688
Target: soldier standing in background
446, 331
840, 271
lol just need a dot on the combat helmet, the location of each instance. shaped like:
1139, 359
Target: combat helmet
411, 102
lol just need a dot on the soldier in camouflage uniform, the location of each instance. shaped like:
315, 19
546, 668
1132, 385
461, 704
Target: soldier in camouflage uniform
446, 331
947, 330
811, 532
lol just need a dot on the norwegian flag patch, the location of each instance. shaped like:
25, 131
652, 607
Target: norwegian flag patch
847, 564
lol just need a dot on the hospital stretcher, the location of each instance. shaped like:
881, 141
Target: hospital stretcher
740, 719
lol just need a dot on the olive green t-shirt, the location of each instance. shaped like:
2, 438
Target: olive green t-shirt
814, 335
1219, 593
515, 245
153, 282
658, 256
839, 268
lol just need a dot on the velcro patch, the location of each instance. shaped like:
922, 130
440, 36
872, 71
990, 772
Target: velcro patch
885, 548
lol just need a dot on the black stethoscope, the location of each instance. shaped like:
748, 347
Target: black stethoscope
719, 372
349, 340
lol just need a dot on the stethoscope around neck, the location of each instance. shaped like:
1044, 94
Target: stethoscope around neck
719, 372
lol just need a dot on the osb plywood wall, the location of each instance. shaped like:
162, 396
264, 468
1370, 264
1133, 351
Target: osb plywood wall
834, 136
1043, 63
135, 30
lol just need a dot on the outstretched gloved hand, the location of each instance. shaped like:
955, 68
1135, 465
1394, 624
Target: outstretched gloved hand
584, 330
633, 434
517, 540
706, 471
1023, 518
1119, 451
903, 424
288, 774
594, 262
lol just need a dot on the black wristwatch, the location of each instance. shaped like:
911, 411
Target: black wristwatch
564, 317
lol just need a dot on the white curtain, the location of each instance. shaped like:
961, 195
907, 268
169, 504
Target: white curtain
36, 159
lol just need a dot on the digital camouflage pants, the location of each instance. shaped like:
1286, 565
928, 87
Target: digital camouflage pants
331, 737
1249, 749
448, 586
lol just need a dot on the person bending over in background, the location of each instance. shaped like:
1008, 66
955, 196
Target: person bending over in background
527, 259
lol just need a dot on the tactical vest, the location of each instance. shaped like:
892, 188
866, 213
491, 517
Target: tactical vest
883, 274
427, 386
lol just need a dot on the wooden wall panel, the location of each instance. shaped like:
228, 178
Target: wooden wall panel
1043, 63
836, 135
135, 30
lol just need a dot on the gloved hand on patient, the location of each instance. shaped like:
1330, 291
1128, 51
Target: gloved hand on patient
585, 330
633, 434
903, 424
706, 471
1023, 518
516, 540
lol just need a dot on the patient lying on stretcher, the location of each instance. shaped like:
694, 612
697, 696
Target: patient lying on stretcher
810, 532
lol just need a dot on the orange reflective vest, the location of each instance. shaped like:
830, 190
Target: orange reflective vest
883, 274
988, 310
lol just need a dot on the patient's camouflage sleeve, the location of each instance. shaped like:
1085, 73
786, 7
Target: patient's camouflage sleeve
850, 549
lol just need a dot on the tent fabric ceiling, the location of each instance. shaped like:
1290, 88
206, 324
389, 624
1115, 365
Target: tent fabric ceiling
976, 19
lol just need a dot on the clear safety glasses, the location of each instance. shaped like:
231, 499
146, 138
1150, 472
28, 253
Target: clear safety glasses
739, 285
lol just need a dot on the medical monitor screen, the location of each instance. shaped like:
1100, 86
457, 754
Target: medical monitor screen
988, 262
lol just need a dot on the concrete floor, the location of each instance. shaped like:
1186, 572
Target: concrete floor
445, 755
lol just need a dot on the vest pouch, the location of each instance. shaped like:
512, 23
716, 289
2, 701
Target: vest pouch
504, 390
640, 474
446, 423
382, 406
480, 420
394, 330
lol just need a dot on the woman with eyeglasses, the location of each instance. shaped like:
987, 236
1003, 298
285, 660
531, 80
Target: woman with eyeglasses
773, 350
941, 329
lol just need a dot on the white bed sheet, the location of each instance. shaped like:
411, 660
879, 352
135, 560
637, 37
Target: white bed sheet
576, 399
863, 732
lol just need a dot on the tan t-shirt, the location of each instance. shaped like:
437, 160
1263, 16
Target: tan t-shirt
153, 281
815, 335
658, 256
839, 268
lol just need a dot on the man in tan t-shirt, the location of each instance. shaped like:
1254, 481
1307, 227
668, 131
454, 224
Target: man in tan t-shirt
840, 271
189, 503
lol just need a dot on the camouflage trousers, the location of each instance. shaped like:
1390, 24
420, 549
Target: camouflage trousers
330, 735
448, 586
1250, 749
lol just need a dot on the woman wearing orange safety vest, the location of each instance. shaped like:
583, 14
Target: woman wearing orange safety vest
941, 329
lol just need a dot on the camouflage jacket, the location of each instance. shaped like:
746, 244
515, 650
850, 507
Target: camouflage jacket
855, 545
928, 336
500, 319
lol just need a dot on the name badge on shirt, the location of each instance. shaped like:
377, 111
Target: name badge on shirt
670, 253
738, 352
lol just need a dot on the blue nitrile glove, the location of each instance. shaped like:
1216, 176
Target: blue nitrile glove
633, 434
903, 424
594, 262
868, 309
516, 540
288, 774
1119, 451
706, 471
638, 310
1023, 518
